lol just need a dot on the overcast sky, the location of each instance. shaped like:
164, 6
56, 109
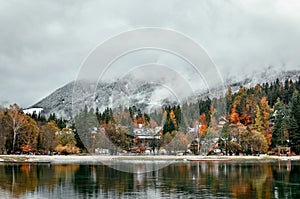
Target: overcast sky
43, 43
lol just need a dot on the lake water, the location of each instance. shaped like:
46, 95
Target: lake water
250, 179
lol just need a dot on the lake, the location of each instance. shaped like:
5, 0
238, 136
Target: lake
214, 179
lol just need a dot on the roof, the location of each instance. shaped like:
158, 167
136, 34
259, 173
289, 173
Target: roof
150, 132
148, 137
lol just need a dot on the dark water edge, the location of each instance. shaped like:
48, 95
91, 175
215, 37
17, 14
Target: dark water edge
215, 179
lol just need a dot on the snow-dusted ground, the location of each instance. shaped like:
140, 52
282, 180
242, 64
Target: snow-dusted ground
94, 159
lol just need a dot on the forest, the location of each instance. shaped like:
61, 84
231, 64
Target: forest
253, 120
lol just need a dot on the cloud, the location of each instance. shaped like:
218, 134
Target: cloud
43, 43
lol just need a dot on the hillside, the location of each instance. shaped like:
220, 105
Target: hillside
147, 96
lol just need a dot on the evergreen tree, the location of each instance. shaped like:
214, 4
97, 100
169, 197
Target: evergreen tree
229, 100
98, 114
34, 115
294, 122
86, 124
177, 112
169, 125
39, 144
41, 118
225, 137
280, 132
52, 117
205, 109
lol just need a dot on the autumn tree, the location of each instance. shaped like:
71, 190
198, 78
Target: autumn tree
4, 132
47, 138
27, 139
253, 141
167, 141
258, 142
66, 142
181, 140
110, 132
205, 115
265, 113
250, 108
22, 126
234, 116
265, 110
16, 120
258, 125
177, 141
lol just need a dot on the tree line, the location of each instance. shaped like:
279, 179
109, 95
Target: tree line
34, 133
258, 119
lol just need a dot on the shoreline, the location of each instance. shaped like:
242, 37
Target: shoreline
71, 159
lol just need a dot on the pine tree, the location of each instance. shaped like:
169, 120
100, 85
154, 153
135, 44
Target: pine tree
229, 100
170, 121
177, 112
294, 135
225, 137
294, 123
280, 132
98, 114
86, 124
34, 115
39, 144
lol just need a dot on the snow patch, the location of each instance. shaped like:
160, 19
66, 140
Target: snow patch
32, 110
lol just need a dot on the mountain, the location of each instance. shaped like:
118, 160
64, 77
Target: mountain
268, 75
72, 97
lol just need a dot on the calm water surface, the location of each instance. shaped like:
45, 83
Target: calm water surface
251, 179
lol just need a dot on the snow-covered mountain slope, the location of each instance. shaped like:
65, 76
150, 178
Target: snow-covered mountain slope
268, 75
144, 95
72, 97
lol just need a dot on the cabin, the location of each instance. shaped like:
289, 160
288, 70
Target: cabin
144, 136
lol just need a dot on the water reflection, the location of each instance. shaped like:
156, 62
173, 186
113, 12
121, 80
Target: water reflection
279, 179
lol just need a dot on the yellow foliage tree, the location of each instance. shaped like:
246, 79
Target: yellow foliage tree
24, 128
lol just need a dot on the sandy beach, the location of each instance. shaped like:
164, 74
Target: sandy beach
70, 159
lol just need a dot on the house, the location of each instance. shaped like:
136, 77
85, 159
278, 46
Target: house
222, 121
143, 136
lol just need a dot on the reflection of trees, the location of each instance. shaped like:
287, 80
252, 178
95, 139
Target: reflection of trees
89, 179
18, 179
252, 180
238, 180
213, 179
286, 179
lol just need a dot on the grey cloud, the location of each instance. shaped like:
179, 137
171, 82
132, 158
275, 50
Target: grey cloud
43, 43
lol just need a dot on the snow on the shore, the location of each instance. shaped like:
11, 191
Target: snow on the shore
69, 159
